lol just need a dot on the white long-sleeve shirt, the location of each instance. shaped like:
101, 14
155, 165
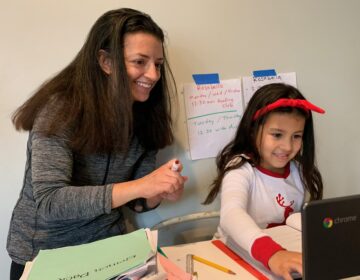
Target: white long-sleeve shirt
253, 199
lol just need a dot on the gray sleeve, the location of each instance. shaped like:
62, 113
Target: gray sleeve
56, 199
145, 165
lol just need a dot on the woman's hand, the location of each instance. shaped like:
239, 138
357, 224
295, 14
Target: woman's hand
164, 182
283, 263
153, 201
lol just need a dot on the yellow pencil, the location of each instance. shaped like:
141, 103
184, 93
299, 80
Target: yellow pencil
214, 265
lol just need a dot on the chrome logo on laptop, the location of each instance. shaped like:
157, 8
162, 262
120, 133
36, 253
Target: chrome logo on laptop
328, 222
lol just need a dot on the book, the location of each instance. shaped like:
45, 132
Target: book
294, 221
125, 256
288, 235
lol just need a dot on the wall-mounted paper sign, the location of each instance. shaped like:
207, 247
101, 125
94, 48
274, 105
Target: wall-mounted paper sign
251, 84
213, 113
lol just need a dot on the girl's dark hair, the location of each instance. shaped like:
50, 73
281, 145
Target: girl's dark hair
98, 107
245, 140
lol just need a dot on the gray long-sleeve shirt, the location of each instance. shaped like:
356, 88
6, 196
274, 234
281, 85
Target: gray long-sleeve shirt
64, 200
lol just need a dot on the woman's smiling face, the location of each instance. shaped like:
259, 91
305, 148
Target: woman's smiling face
144, 58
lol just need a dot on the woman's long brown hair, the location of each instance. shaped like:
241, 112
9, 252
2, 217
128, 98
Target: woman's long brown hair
97, 107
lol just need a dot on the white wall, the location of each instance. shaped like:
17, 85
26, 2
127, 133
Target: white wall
319, 40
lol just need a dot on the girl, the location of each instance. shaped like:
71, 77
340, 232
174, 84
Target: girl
94, 131
265, 172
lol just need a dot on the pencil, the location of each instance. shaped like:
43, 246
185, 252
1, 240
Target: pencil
214, 265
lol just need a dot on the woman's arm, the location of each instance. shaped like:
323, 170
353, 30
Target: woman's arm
56, 199
51, 178
161, 183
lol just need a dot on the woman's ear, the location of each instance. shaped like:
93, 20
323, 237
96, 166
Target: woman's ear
105, 61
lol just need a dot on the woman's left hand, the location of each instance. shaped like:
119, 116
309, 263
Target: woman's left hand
175, 196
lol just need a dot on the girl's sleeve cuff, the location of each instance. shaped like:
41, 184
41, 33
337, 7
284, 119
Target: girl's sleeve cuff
263, 248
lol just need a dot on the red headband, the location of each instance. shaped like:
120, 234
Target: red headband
285, 102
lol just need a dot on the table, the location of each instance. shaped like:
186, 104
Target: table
207, 250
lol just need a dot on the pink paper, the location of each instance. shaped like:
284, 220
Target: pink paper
172, 270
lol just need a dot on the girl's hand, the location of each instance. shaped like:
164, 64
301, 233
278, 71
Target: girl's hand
163, 182
283, 263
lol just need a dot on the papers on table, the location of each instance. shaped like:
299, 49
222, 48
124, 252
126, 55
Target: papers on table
287, 236
129, 255
173, 271
294, 221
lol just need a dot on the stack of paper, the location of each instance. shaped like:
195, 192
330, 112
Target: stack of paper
131, 255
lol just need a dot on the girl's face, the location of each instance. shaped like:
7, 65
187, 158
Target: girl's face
143, 59
279, 140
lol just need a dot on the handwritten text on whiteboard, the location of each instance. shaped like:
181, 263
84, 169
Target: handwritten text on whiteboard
213, 113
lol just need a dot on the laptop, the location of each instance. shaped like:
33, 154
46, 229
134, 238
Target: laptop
331, 238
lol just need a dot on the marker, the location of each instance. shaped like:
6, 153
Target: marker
175, 166
161, 252
214, 265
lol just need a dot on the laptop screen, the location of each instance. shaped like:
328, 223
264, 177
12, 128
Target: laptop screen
331, 238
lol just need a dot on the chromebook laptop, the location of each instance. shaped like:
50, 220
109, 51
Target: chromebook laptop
331, 238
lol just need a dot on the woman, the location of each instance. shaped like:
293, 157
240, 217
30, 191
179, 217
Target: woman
94, 130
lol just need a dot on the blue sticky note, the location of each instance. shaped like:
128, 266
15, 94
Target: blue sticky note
264, 73
202, 79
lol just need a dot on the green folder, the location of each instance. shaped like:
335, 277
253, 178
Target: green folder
103, 259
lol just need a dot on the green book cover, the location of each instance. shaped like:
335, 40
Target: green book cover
99, 260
